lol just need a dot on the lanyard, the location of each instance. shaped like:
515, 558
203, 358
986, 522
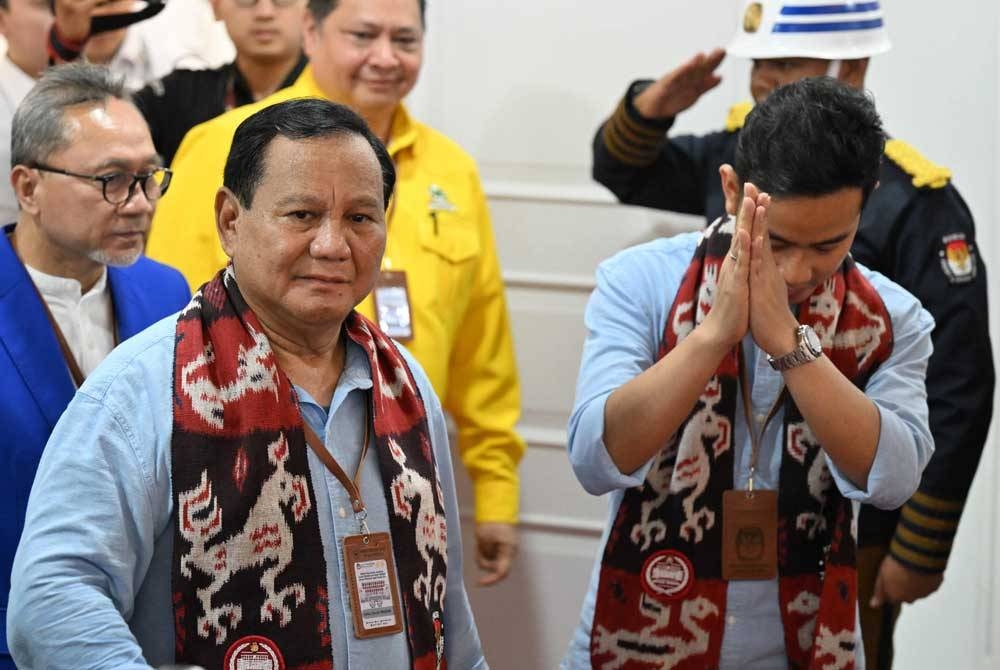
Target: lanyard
351, 485
755, 437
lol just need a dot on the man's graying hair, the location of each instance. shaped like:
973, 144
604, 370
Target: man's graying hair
320, 9
812, 138
39, 126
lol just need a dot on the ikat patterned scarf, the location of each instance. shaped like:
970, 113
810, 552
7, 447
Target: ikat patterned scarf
248, 574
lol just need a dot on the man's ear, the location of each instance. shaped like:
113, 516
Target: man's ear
25, 182
227, 214
730, 188
852, 72
310, 33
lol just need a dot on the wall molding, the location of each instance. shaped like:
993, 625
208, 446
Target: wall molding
556, 524
549, 280
551, 192
548, 438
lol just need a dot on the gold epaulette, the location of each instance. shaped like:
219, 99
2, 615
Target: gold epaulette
738, 115
925, 173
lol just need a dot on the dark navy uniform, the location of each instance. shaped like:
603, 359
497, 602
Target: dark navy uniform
916, 230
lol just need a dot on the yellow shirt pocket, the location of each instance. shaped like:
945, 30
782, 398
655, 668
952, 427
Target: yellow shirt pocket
450, 246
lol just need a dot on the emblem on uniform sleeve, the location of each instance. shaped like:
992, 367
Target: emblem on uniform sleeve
254, 652
958, 258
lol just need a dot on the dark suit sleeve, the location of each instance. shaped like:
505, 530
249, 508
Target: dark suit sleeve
960, 376
150, 101
633, 157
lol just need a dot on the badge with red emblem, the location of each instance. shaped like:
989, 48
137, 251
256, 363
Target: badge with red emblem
667, 575
254, 652
958, 258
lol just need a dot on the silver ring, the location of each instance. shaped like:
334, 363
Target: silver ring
734, 257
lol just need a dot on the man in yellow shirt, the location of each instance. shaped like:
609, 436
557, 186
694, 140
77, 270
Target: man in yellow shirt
441, 291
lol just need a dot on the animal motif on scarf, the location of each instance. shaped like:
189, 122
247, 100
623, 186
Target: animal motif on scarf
266, 539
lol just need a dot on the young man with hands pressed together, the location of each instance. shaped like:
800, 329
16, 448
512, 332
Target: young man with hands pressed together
741, 390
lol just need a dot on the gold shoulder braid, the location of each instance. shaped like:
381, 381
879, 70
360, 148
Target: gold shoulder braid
738, 115
925, 173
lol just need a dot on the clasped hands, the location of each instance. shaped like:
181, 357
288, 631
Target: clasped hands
751, 294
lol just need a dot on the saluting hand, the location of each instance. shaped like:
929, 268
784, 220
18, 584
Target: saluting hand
73, 18
680, 88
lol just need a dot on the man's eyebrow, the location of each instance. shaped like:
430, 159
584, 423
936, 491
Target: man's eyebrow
152, 159
836, 239
299, 200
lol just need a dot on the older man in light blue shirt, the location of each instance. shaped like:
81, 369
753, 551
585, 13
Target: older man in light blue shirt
97, 582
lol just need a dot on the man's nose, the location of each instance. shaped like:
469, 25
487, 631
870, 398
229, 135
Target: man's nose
264, 9
795, 268
330, 242
383, 54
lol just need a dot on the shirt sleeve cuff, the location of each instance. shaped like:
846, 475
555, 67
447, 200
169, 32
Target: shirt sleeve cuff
895, 472
590, 458
925, 532
497, 500
632, 138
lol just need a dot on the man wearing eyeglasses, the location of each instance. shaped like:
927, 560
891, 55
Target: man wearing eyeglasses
73, 282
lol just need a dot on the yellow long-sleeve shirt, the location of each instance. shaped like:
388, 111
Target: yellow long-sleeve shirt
440, 234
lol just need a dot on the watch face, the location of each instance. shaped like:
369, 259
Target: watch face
812, 341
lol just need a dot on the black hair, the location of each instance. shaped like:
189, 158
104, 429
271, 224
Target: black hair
297, 119
320, 9
811, 138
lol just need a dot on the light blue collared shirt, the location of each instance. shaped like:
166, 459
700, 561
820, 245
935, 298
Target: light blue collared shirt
626, 317
91, 585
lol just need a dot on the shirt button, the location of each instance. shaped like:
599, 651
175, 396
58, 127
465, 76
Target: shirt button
761, 418
731, 620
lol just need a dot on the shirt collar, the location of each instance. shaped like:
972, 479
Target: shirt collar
356, 376
65, 288
16, 81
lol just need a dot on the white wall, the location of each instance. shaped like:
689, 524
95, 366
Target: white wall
523, 86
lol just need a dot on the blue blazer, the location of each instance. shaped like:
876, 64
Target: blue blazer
36, 386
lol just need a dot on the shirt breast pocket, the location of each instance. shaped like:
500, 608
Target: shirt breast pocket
451, 245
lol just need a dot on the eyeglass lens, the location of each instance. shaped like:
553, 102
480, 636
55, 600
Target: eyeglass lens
121, 186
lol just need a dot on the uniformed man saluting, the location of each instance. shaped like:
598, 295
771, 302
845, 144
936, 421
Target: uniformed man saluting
916, 229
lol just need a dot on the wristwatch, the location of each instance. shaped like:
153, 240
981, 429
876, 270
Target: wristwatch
809, 349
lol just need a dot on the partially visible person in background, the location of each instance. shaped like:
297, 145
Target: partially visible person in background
73, 280
139, 41
25, 26
267, 35
916, 230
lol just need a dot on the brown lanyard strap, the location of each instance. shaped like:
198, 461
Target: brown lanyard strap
353, 486
74, 369
755, 437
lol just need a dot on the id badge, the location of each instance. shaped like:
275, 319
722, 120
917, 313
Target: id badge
392, 305
749, 535
371, 581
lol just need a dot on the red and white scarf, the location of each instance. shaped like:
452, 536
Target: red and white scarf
248, 558
679, 506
